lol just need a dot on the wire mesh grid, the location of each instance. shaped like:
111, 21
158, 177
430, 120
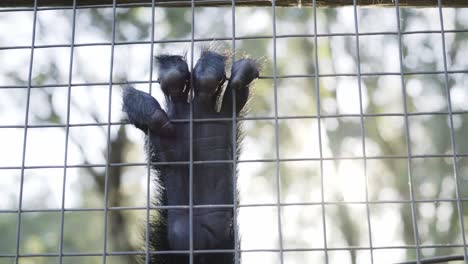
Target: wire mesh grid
418, 249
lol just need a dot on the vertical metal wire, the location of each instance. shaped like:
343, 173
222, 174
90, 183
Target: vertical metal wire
192, 48
452, 135
407, 135
26, 123
363, 130
234, 139
109, 116
277, 155
148, 146
319, 128
67, 133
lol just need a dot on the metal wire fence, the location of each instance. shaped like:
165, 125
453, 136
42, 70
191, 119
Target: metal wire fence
363, 245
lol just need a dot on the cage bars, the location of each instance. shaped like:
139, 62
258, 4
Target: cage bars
26, 123
67, 134
234, 141
148, 148
187, 3
190, 96
277, 145
278, 36
363, 132
288, 76
129, 164
452, 135
247, 205
330, 249
407, 136
319, 133
108, 145
277, 160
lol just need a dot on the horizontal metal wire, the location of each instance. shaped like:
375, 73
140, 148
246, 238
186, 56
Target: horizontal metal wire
62, 5
265, 250
133, 164
319, 35
228, 206
442, 259
254, 118
371, 74
167, 3
312, 76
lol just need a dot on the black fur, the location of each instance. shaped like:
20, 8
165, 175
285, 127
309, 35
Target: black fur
211, 140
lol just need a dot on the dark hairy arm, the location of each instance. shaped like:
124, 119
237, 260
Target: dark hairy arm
211, 140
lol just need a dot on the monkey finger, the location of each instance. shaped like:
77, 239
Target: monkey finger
173, 76
243, 73
145, 113
208, 77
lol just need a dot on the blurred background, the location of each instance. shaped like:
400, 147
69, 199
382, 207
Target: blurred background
311, 207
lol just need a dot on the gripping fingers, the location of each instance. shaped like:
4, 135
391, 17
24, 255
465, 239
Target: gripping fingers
145, 112
244, 72
209, 76
173, 76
